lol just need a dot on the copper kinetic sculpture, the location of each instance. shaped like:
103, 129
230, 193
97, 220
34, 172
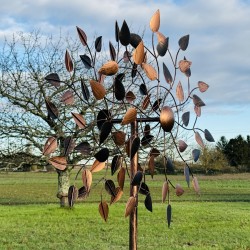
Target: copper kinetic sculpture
148, 121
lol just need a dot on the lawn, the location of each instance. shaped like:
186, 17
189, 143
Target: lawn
32, 219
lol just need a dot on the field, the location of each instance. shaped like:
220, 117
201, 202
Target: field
217, 219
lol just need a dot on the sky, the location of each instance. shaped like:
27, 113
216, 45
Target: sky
219, 46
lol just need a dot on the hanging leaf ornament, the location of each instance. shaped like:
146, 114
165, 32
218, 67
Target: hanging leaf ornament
138, 55
169, 214
82, 36
104, 210
131, 203
203, 86
110, 68
155, 21
68, 62
87, 179
183, 42
124, 34
165, 190
50, 146
98, 89
59, 162
130, 116
179, 92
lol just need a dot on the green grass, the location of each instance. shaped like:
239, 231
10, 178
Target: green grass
30, 217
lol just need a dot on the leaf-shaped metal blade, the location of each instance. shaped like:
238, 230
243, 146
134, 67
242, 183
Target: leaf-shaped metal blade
130, 97
98, 89
146, 130
134, 147
121, 177
86, 61
72, 195
53, 112
82, 193
167, 119
82, 36
167, 74
97, 166
137, 178
197, 111
110, 187
102, 155
182, 145
104, 210
119, 89
208, 136
196, 154
85, 90
156, 104
118, 195
199, 139
183, 42
144, 188
135, 40
138, 54
155, 21
69, 145
134, 70
150, 71
162, 46
50, 146
179, 92
124, 34
109, 68
187, 175
196, 185
130, 205
197, 101
165, 190
105, 131
59, 162
184, 65
119, 137
130, 116
98, 44
87, 179
179, 190
68, 62
53, 79
169, 215
117, 30
79, 120
146, 102
154, 152
112, 51
185, 118
84, 148
143, 89
68, 97
151, 165
102, 117
116, 163
203, 86
148, 203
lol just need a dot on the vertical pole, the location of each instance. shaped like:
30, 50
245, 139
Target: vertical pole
133, 192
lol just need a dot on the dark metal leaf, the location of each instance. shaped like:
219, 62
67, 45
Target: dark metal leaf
121, 177
146, 102
199, 139
169, 166
183, 42
145, 141
116, 163
124, 34
162, 47
105, 131
154, 152
82, 193
102, 117
98, 44
208, 136
144, 189
134, 147
167, 119
135, 40
68, 97
126, 56
130, 96
86, 61
59, 162
85, 90
118, 195
53, 79
110, 187
188, 72
119, 138
164, 191
82, 36
156, 104
187, 175
104, 210
197, 101
50, 146
84, 148
167, 74
72, 195
68, 62
69, 145
52, 109
203, 86
102, 155
182, 145
169, 214
119, 89
143, 89
134, 70
79, 120
196, 154
137, 179
130, 206
116, 32
185, 118
112, 51
148, 203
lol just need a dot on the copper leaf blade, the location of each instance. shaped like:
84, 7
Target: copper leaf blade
104, 210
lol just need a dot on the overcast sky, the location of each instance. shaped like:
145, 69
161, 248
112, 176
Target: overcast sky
219, 45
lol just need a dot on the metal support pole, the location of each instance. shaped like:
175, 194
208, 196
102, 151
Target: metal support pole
133, 192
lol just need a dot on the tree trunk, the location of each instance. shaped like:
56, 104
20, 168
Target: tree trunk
63, 186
